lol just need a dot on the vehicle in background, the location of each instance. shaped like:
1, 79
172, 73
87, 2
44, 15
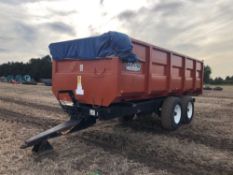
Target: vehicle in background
207, 88
3, 79
47, 82
28, 80
218, 88
18, 79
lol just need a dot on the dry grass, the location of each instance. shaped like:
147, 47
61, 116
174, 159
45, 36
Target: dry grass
109, 147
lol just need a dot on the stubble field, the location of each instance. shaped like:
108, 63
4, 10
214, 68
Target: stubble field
110, 147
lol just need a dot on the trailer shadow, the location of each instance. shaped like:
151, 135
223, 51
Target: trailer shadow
144, 124
189, 133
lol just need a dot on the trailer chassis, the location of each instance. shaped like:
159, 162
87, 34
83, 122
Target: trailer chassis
83, 116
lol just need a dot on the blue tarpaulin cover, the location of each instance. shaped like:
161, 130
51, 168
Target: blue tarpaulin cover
107, 44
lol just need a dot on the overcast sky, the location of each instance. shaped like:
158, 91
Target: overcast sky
199, 28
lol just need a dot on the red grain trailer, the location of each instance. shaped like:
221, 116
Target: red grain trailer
160, 81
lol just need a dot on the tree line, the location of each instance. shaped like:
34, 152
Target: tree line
217, 80
37, 68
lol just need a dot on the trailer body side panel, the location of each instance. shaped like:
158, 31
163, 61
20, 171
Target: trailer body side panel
105, 81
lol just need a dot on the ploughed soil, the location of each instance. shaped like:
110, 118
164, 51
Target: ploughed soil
139, 147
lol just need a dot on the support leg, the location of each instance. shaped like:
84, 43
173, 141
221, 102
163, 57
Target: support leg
44, 145
40, 141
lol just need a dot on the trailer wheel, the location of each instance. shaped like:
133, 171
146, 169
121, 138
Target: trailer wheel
171, 113
187, 108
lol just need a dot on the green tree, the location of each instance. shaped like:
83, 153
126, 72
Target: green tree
37, 68
40, 68
229, 80
207, 73
218, 80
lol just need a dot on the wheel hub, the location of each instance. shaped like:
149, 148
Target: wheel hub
189, 110
177, 114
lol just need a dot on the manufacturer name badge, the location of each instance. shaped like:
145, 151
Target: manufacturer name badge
135, 67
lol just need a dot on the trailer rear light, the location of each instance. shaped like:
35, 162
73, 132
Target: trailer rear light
92, 112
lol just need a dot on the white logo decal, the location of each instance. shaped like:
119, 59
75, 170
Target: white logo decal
136, 67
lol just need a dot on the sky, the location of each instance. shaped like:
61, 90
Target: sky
202, 29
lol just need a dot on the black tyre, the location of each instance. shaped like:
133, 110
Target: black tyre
171, 113
187, 106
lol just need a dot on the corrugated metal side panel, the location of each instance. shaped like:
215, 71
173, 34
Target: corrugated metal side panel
158, 71
105, 81
170, 72
134, 84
